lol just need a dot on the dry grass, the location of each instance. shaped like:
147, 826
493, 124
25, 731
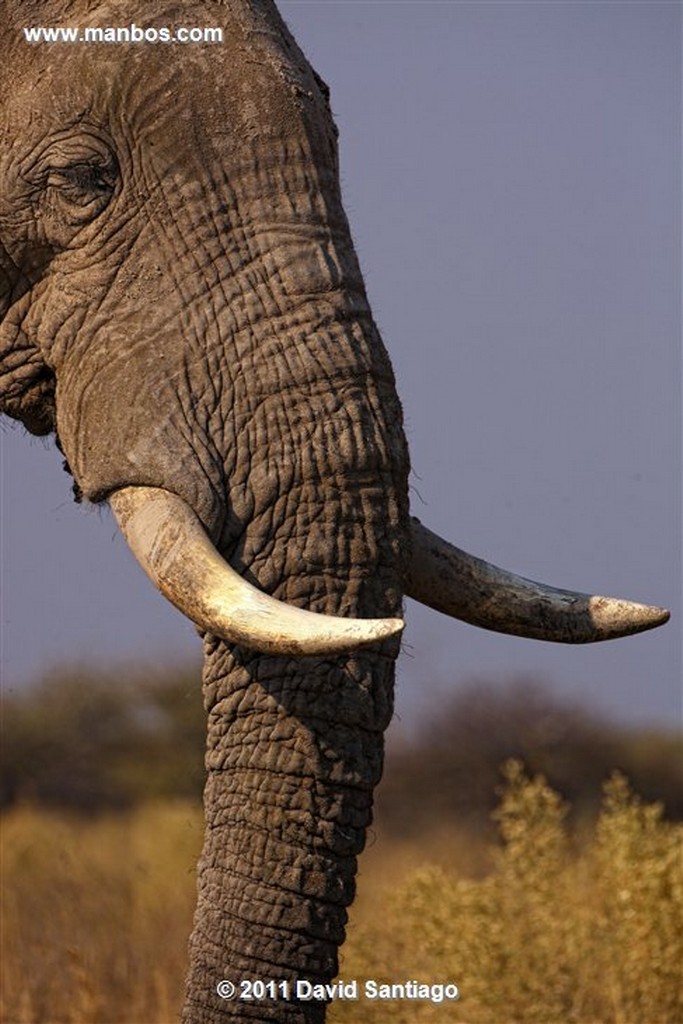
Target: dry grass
96, 916
552, 934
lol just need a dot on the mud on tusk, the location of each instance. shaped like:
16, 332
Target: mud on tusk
173, 548
468, 588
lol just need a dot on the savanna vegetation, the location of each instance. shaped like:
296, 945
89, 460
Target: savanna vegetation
557, 930
508, 858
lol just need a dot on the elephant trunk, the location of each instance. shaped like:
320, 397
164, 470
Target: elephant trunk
294, 753
316, 494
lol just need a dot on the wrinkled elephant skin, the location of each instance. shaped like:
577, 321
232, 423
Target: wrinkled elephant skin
181, 304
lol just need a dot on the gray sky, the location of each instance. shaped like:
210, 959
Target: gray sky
511, 172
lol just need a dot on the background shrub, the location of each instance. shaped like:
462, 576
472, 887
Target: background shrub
553, 933
536, 919
93, 741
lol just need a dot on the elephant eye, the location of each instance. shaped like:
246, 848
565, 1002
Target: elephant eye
80, 191
81, 183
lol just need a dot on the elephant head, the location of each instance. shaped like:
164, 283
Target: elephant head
180, 303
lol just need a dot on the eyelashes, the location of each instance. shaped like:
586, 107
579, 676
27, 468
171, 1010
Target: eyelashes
79, 191
82, 183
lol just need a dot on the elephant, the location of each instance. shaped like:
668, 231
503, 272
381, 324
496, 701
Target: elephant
182, 307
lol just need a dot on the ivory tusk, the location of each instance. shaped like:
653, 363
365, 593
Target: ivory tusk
173, 548
464, 587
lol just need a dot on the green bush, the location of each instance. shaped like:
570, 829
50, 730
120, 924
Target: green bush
482, 725
92, 741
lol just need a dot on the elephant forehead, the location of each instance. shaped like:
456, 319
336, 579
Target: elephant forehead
252, 82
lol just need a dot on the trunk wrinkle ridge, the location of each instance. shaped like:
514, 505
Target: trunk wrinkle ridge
278, 884
328, 929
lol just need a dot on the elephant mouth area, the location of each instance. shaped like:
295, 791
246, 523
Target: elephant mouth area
34, 406
171, 545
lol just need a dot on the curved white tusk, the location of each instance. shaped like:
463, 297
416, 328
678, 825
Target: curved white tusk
464, 587
172, 547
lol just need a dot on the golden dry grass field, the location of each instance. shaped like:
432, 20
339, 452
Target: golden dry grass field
539, 928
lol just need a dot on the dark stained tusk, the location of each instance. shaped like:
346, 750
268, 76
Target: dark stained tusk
464, 587
173, 548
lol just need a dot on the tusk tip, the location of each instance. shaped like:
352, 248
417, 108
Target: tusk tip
347, 634
389, 627
467, 588
616, 618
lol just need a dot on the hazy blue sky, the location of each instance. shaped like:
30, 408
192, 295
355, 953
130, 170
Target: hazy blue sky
512, 177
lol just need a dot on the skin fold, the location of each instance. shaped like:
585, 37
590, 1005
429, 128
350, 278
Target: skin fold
182, 307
